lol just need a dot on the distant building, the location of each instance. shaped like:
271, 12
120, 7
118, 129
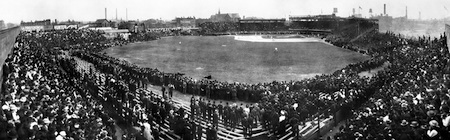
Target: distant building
154, 23
188, 22
384, 22
36, 25
357, 15
226, 17
10, 25
101, 23
69, 24
37, 22
124, 33
133, 26
2, 25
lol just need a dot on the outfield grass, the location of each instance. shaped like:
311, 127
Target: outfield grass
237, 61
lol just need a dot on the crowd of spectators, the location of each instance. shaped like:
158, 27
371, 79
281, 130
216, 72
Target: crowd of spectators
45, 96
275, 26
413, 105
211, 28
39, 99
125, 94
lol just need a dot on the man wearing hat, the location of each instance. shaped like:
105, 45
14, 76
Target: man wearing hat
226, 114
433, 133
405, 131
156, 131
404, 123
416, 132
220, 109
211, 133
209, 109
216, 118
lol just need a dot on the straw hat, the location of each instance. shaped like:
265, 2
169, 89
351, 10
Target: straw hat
414, 124
434, 123
404, 123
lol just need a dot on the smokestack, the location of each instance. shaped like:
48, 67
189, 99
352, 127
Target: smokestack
406, 12
384, 9
420, 15
106, 11
127, 14
116, 13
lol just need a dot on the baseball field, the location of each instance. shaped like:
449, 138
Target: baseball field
227, 59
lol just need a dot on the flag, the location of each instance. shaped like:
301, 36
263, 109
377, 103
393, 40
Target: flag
360, 7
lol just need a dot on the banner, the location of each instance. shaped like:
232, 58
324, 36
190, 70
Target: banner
447, 33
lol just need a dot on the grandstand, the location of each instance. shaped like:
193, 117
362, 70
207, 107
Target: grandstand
319, 24
58, 84
262, 25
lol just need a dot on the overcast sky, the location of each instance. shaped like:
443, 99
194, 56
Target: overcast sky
89, 10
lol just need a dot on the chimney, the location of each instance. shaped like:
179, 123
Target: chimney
406, 12
384, 9
420, 15
106, 16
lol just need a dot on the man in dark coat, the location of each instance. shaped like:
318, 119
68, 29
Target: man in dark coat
226, 115
140, 136
203, 108
233, 118
220, 109
171, 88
216, 118
163, 90
211, 133
209, 111
163, 113
294, 123
155, 132
246, 125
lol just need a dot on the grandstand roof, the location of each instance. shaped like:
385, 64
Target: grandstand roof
261, 20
